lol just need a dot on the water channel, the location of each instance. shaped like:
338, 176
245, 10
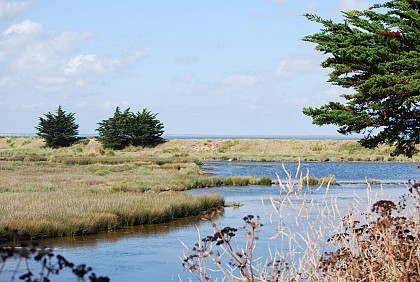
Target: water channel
152, 253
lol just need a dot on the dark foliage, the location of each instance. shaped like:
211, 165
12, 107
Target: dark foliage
50, 265
376, 53
128, 128
58, 130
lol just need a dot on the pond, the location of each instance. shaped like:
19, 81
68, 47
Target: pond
152, 253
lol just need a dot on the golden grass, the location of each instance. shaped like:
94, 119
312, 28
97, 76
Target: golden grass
90, 151
46, 214
278, 150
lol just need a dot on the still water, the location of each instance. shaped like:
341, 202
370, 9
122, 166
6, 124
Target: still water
152, 253
347, 172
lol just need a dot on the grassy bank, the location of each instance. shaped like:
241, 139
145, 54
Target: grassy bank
280, 150
84, 189
195, 150
53, 214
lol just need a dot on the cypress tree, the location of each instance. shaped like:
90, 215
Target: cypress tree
376, 53
58, 130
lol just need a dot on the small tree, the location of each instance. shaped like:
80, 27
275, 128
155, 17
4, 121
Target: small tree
127, 128
376, 53
112, 131
58, 130
145, 129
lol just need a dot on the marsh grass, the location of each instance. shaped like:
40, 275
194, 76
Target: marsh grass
215, 181
51, 214
280, 150
83, 188
314, 181
200, 149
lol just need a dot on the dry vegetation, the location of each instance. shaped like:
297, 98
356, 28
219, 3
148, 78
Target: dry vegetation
279, 150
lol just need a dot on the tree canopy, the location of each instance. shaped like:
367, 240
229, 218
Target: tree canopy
376, 53
58, 130
128, 128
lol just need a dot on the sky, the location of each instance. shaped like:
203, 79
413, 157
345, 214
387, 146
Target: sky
219, 67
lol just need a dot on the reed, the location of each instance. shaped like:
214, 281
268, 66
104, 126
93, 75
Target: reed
215, 181
51, 214
324, 181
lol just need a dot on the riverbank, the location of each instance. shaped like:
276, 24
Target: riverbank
84, 189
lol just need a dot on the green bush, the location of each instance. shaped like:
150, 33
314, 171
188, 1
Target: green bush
58, 130
127, 128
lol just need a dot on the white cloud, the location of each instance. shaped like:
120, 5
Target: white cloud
29, 106
238, 81
50, 62
280, 1
186, 59
25, 27
348, 5
134, 54
7, 82
10, 8
183, 78
85, 64
311, 6
290, 67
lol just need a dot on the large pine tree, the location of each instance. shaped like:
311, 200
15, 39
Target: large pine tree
376, 53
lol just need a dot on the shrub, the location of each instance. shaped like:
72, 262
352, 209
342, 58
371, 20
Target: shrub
50, 264
127, 128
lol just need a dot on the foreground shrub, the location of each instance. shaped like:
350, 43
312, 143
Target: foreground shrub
385, 249
50, 264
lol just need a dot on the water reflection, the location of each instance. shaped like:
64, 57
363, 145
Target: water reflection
357, 171
143, 231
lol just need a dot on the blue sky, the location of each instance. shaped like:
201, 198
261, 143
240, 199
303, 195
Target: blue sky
219, 67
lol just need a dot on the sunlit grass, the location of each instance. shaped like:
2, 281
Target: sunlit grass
50, 214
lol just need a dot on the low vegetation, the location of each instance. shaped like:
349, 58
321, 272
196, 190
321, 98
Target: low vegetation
280, 150
50, 265
314, 181
38, 215
84, 189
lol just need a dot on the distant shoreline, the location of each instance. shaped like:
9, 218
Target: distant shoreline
220, 137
